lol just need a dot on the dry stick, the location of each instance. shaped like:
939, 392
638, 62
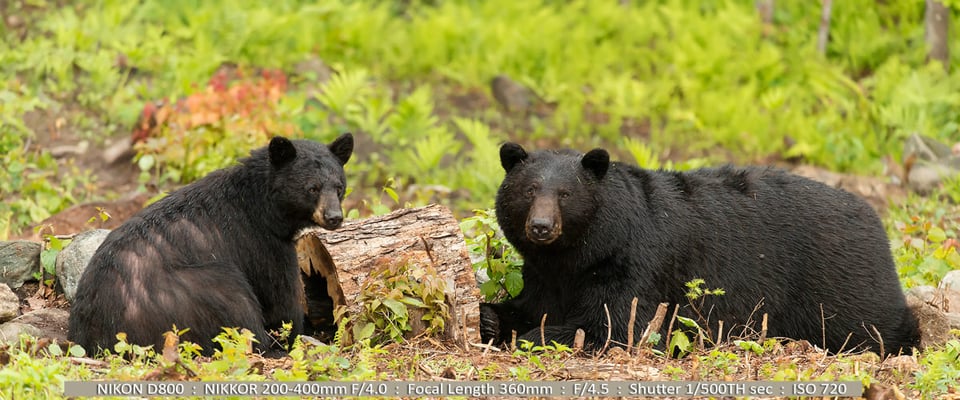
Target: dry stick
763, 329
719, 332
879, 339
633, 320
513, 340
578, 338
666, 340
543, 323
823, 34
827, 353
654, 325
936, 31
609, 329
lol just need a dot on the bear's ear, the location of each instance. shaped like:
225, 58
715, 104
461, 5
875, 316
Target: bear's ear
510, 155
342, 147
281, 151
596, 161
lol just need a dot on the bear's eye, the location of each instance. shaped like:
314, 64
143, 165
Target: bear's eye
564, 194
531, 191
314, 189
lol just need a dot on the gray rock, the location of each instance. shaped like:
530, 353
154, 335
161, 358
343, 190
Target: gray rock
10, 331
513, 96
924, 293
9, 304
19, 259
73, 259
951, 281
46, 322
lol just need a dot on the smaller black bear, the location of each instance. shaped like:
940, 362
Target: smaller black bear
596, 233
216, 253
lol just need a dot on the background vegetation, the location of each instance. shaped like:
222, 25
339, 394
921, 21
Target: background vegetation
675, 83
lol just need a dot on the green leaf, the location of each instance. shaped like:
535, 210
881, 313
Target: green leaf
513, 282
749, 345
690, 323
365, 332
413, 302
397, 307
680, 342
76, 351
936, 235
146, 162
490, 289
49, 258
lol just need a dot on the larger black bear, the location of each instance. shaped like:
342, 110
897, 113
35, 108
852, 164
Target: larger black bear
216, 253
594, 232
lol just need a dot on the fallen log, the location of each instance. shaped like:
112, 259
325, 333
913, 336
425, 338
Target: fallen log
337, 264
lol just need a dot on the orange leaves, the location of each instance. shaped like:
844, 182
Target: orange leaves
210, 129
231, 102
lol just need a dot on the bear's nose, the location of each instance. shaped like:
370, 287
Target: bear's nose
541, 228
333, 220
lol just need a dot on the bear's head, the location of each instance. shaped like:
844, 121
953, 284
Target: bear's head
307, 179
549, 196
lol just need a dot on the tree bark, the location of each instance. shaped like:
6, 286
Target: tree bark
823, 34
422, 236
937, 32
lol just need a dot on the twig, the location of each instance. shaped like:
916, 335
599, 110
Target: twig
879, 338
609, 329
633, 320
719, 332
655, 324
823, 34
578, 338
543, 324
666, 340
763, 329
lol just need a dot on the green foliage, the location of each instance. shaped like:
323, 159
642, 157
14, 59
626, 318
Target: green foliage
695, 291
941, 370
33, 370
679, 342
924, 240
535, 354
645, 157
323, 362
493, 256
388, 295
48, 260
718, 364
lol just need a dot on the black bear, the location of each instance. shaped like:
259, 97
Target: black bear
596, 233
217, 253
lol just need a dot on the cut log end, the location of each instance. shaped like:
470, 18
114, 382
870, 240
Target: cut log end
336, 264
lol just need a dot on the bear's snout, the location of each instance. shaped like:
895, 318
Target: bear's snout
541, 230
328, 213
328, 218
543, 223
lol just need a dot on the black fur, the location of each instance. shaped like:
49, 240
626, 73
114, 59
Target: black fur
216, 253
761, 234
